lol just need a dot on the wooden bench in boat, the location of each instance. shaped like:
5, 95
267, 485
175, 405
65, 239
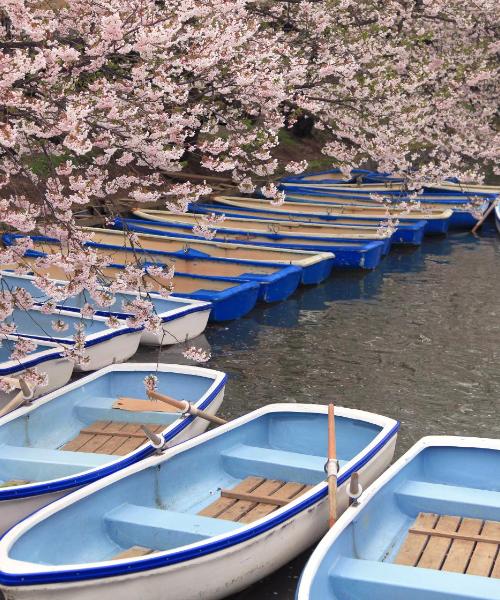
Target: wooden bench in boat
253, 498
111, 437
454, 544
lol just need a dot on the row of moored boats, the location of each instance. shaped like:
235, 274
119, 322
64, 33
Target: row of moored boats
107, 491
112, 489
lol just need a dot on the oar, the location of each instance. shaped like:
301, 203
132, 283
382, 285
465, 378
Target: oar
186, 407
331, 466
25, 394
487, 213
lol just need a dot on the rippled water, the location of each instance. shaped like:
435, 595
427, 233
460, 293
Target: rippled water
417, 340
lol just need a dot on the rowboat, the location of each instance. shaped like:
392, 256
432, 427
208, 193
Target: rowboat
465, 212
497, 217
315, 266
320, 233
276, 281
404, 233
92, 428
231, 298
48, 360
181, 319
104, 345
365, 255
203, 520
384, 181
436, 220
429, 527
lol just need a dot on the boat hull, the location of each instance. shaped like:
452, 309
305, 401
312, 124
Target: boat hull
205, 577
109, 352
180, 329
229, 304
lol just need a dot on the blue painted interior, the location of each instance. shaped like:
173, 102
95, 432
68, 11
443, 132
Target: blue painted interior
442, 480
161, 305
38, 324
29, 443
157, 506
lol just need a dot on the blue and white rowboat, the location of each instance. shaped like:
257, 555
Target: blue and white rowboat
405, 233
497, 217
300, 232
181, 319
204, 520
104, 345
365, 255
448, 489
48, 360
45, 452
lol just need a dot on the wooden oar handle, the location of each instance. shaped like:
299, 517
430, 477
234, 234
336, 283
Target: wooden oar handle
185, 406
180, 404
331, 465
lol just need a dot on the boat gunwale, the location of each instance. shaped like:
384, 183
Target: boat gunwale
314, 562
7, 367
110, 568
96, 473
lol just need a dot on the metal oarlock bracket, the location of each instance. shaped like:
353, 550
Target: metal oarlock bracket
157, 441
331, 467
187, 410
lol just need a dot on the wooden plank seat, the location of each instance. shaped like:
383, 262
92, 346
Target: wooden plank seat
454, 544
111, 437
253, 498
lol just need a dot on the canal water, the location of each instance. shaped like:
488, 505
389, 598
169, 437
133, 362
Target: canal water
418, 340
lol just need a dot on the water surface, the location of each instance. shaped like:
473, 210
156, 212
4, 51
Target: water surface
416, 340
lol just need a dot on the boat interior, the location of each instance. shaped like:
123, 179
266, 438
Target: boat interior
214, 487
299, 229
182, 283
89, 426
36, 324
7, 347
270, 215
441, 513
123, 255
326, 208
120, 299
215, 249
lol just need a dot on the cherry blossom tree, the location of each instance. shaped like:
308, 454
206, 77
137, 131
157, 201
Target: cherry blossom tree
102, 100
